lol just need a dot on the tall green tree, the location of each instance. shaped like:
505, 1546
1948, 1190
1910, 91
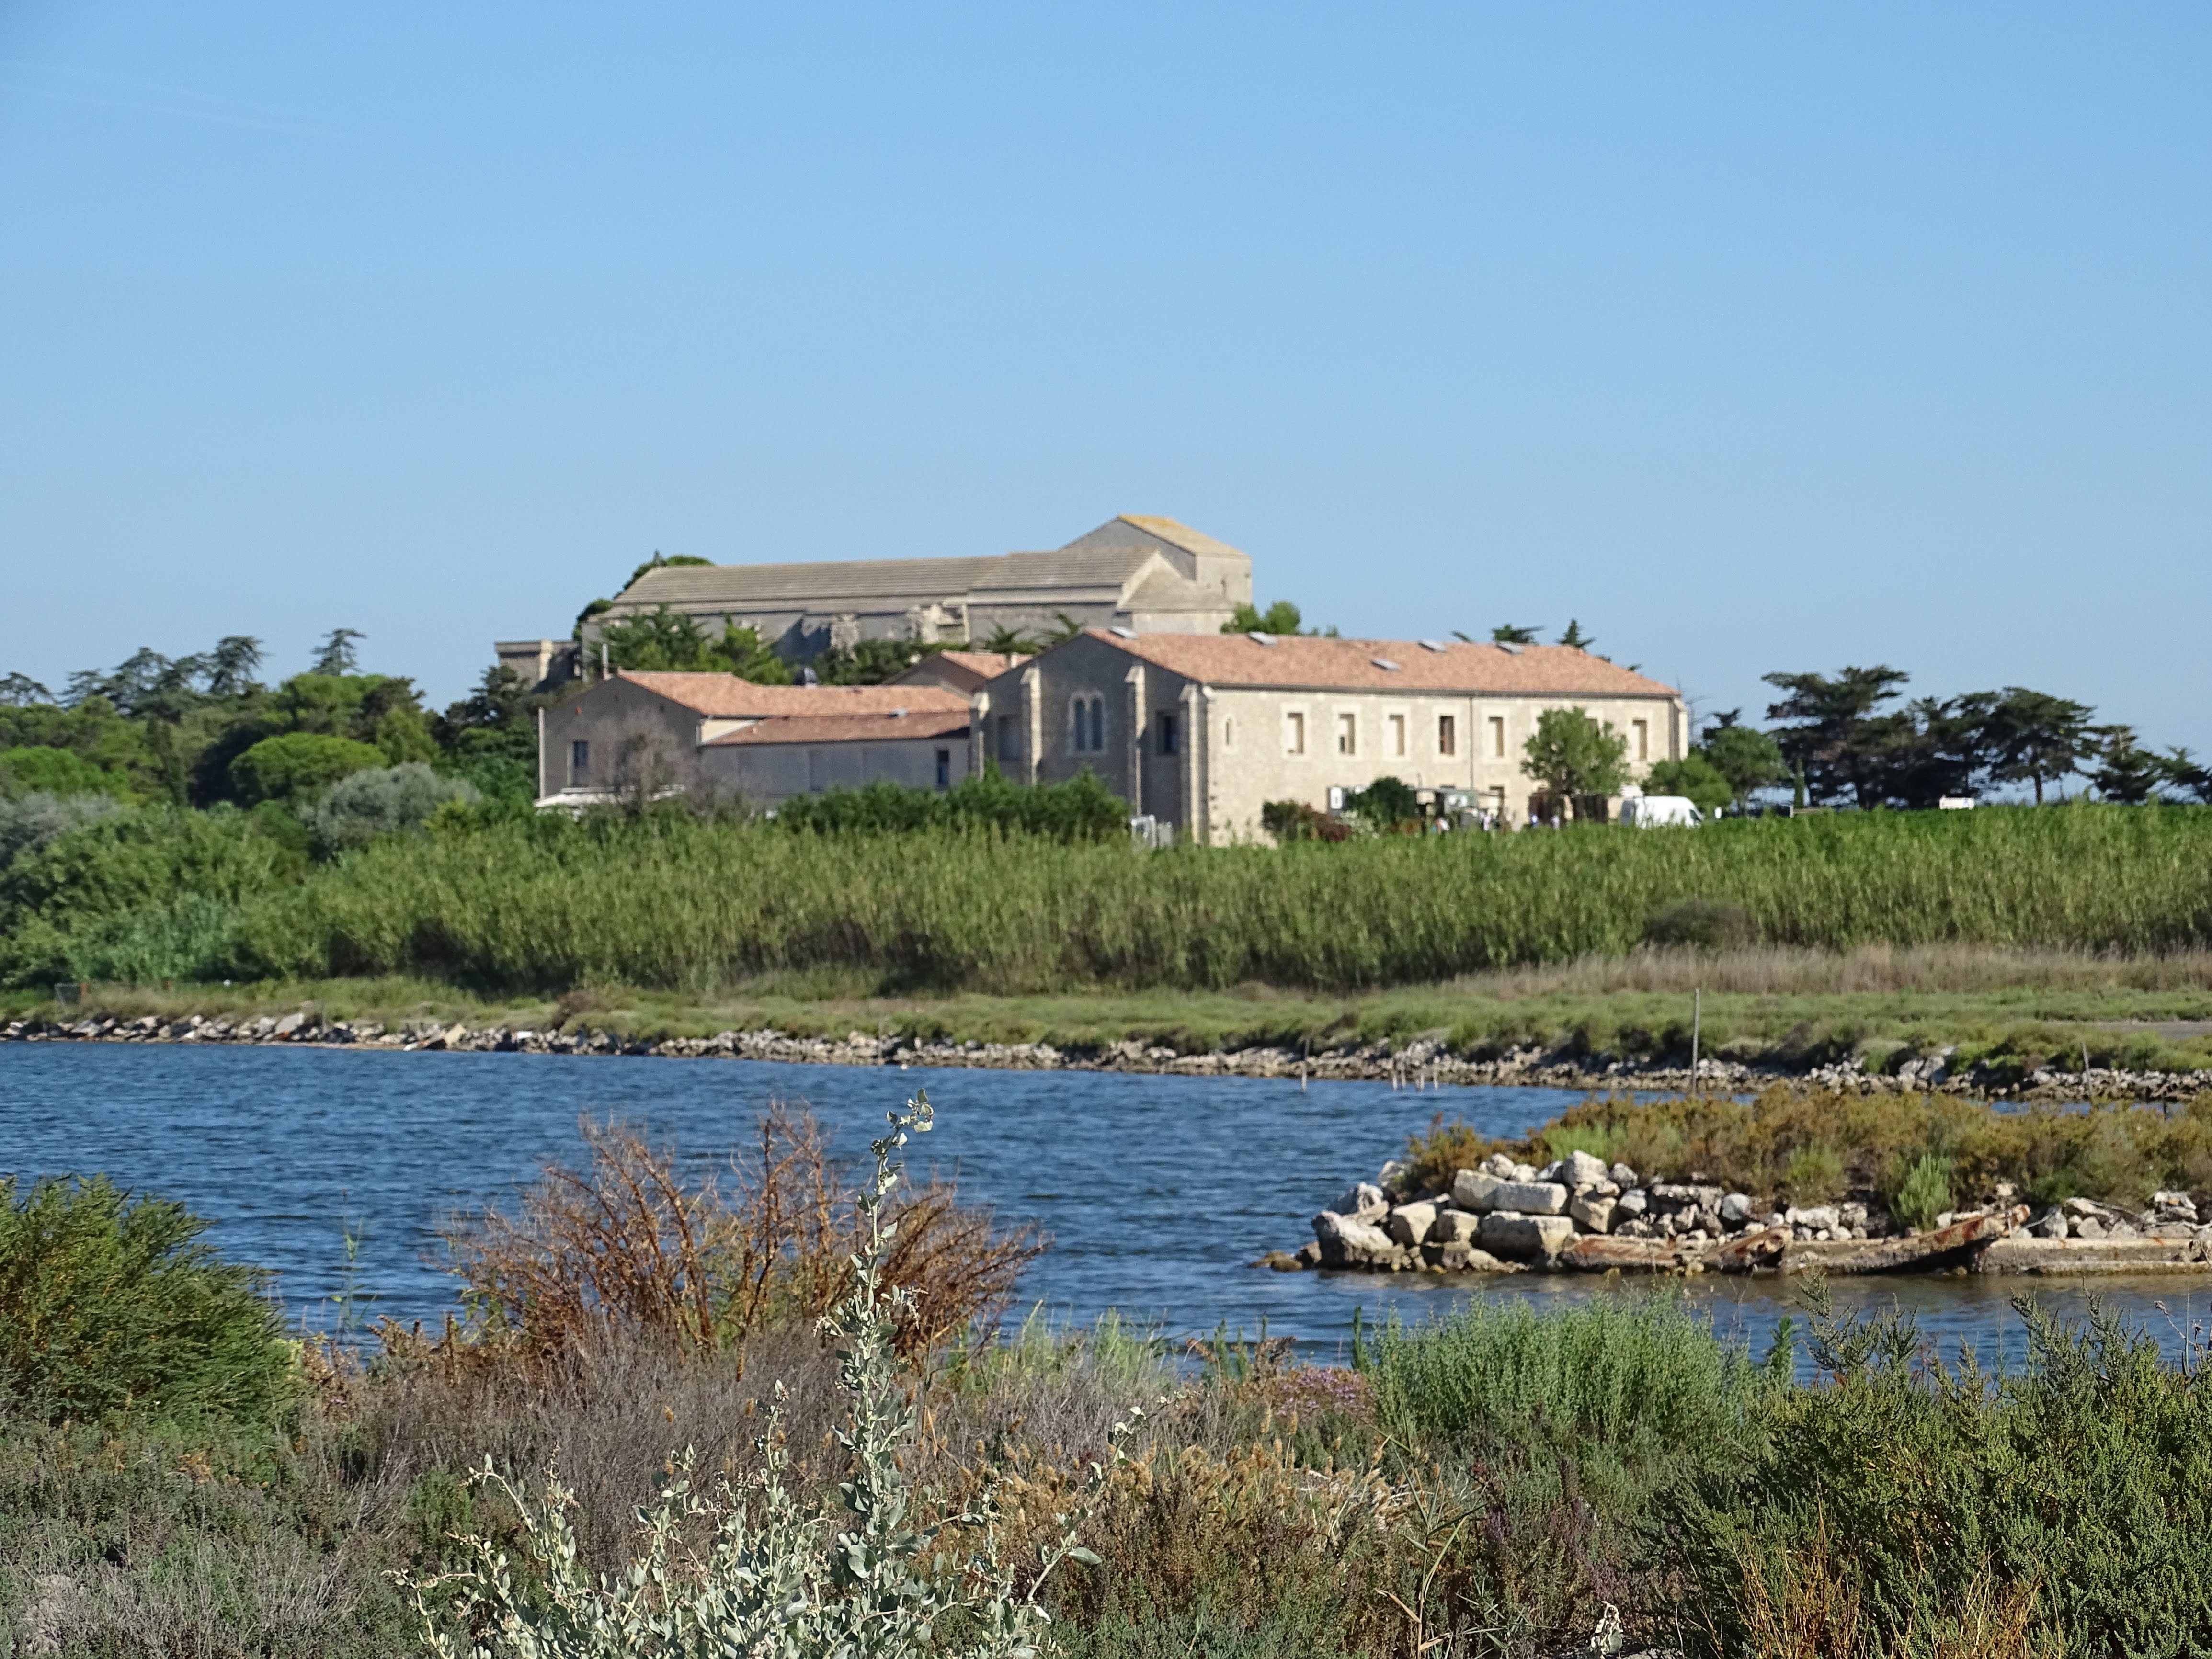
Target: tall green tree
1574, 638
1834, 731
1508, 633
1578, 758
665, 640
336, 655
1282, 617
1745, 755
2125, 771
2035, 738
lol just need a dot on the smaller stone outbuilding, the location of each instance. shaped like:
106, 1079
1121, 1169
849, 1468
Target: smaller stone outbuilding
654, 733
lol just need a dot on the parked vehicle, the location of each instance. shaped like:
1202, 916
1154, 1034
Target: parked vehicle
1649, 811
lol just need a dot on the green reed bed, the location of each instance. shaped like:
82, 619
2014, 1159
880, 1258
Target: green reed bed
673, 903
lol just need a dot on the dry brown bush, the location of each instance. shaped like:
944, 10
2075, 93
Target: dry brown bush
632, 1243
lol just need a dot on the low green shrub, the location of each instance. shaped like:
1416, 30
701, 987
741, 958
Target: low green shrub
1925, 1191
1700, 923
1904, 1506
383, 801
109, 1306
298, 764
1808, 1146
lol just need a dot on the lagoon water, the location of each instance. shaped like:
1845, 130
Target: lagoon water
1156, 1191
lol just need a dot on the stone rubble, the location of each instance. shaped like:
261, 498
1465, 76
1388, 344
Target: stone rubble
1504, 1217
1420, 1063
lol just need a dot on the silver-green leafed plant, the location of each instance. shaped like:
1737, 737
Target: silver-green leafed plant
862, 1581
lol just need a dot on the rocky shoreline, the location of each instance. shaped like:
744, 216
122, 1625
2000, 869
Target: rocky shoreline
1419, 1064
1579, 1215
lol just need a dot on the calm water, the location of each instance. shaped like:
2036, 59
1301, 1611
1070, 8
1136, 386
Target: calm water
1156, 1191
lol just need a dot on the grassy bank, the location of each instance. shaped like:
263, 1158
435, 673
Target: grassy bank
670, 903
1490, 1484
2016, 1009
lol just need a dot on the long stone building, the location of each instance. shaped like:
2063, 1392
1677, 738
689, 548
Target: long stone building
1202, 731
1151, 575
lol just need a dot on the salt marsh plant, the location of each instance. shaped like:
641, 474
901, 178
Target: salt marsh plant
111, 1307
873, 1580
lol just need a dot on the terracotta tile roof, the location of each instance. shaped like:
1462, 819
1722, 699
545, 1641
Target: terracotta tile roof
915, 724
726, 696
1353, 665
985, 663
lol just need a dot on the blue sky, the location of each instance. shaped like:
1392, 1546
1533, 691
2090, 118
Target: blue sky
1755, 337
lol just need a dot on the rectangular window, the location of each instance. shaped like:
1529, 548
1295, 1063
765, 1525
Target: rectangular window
1229, 732
1643, 739
1167, 730
1294, 735
1497, 737
1397, 734
1098, 725
1347, 734
1005, 737
944, 769
1447, 734
580, 761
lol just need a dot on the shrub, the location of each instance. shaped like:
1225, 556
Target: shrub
29, 822
298, 764
1925, 1191
1814, 1175
109, 1305
1910, 1507
1699, 924
1293, 820
41, 770
1384, 805
1806, 1143
1693, 777
777, 1581
359, 808
632, 1246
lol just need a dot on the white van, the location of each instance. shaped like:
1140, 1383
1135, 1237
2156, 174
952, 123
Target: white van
1647, 811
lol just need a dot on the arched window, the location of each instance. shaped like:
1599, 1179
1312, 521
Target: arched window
1089, 720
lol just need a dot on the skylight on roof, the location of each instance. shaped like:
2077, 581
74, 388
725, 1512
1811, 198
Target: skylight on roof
1434, 645
1261, 639
1385, 664
1126, 632
1510, 650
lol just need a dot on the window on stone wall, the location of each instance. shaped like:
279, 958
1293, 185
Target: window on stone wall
1497, 737
1643, 739
580, 761
1294, 735
1090, 723
1397, 734
1165, 725
1347, 734
1447, 734
944, 769
1006, 738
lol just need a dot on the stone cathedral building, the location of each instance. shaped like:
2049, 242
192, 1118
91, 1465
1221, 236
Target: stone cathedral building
1150, 576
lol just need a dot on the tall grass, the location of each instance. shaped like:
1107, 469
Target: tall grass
669, 902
